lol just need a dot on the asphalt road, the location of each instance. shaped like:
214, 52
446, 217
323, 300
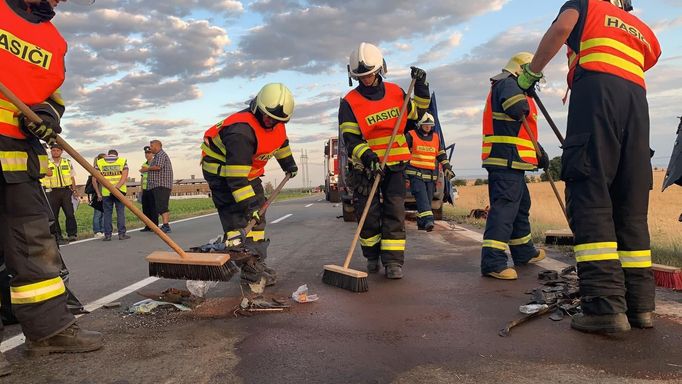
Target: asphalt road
437, 325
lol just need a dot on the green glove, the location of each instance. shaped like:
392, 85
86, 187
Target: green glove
256, 216
527, 78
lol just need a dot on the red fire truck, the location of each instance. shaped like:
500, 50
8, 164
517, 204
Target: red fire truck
332, 170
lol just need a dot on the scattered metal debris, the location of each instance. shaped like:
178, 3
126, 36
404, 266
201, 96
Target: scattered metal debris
248, 306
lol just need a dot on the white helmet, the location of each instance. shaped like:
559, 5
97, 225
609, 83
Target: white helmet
274, 100
625, 5
514, 64
427, 119
366, 60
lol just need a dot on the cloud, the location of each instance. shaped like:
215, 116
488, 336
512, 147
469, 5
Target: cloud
440, 49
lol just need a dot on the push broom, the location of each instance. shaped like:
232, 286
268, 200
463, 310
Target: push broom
664, 275
342, 276
172, 265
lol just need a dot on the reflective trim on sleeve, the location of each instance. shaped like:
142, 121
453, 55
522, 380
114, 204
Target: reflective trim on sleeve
211, 153
235, 170
635, 259
282, 153
211, 168
14, 161
256, 235
487, 243
349, 127
421, 102
359, 150
512, 101
370, 242
37, 292
244, 193
596, 251
392, 245
43, 160
425, 214
520, 240
502, 116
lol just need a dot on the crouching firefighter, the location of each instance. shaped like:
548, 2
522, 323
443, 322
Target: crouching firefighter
367, 116
422, 170
507, 154
234, 154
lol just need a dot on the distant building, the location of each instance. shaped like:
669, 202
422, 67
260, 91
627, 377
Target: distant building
181, 187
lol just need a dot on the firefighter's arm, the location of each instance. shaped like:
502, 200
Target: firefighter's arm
408, 139
241, 145
442, 157
286, 160
356, 146
50, 111
513, 100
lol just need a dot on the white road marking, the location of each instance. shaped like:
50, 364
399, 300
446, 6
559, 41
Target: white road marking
19, 339
138, 229
309, 205
280, 219
320, 199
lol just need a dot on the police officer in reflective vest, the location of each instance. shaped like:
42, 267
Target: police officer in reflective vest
33, 69
115, 169
234, 154
367, 115
507, 153
60, 185
422, 171
606, 160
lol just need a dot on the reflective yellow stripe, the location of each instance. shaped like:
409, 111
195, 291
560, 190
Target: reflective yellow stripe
8, 117
256, 235
413, 173
359, 150
413, 115
243, 193
613, 60
7, 105
210, 152
218, 142
635, 259
596, 251
232, 234
392, 245
502, 116
394, 151
352, 128
430, 164
14, 161
370, 242
423, 157
42, 159
487, 149
494, 244
523, 166
513, 100
399, 140
571, 59
235, 170
283, 152
496, 161
527, 153
211, 168
615, 44
508, 140
37, 292
421, 102
445, 161
520, 240
425, 213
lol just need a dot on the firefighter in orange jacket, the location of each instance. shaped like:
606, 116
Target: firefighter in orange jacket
234, 154
422, 171
367, 116
33, 69
606, 161
507, 153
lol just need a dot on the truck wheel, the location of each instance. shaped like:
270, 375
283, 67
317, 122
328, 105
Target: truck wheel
334, 196
348, 212
438, 213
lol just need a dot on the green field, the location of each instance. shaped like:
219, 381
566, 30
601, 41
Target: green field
179, 209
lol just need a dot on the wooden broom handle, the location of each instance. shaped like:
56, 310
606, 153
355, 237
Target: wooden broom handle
549, 175
377, 178
95, 173
267, 203
548, 118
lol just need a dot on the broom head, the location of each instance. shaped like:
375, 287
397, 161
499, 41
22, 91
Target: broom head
194, 266
345, 278
667, 276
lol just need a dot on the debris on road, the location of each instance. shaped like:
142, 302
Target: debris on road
532, 308
147, 306
200, 288
113, 304
260, 304
301, 295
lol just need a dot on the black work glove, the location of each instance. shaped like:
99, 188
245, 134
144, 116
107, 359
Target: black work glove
292, 171
448, 173
371, 162
45, 131
543, 159
418, 74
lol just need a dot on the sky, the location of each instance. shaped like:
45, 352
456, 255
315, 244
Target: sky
141, 70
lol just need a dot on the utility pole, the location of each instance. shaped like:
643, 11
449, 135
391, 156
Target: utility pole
304, 167
307, 171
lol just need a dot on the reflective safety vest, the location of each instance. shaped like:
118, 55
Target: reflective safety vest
616, 42
377, 119
268, 142
61, 175
424, 152
496, 142
32, 57
143, 177
112, 172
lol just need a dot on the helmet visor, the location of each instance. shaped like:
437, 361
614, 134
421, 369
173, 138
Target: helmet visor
277, 113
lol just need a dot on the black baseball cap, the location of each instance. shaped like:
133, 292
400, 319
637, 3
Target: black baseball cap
147, 149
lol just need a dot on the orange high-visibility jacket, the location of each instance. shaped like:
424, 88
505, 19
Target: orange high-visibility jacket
424, 152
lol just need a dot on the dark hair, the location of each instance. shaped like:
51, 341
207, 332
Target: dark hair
112, 152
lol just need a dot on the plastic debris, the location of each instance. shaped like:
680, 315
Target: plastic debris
301, 295
532, 308
114, 304
147, 306
200, 288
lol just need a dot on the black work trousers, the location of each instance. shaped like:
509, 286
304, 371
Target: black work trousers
235, 216
30, 252
60, 199
383, 233
507, 225
606, 164
149, 206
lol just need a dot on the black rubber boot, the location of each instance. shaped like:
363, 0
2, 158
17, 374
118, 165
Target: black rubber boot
612, 323
394, 271
71, 340
372, 265
5, 366
428, 227
641, 319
